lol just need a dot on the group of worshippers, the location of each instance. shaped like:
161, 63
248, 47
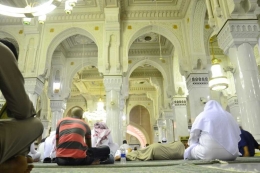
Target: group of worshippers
214, 134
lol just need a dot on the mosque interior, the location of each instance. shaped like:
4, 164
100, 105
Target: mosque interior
142, 66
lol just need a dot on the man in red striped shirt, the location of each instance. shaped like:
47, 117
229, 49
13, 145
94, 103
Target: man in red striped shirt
73, 138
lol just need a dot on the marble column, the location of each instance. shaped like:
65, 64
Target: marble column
57, 109
155, 134
237, 38
181, 119
197, 84
234, 108
114, 121
46, 127
122, 123
161, 123
33, 87
169, 118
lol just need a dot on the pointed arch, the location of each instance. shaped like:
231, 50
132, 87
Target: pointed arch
63, 35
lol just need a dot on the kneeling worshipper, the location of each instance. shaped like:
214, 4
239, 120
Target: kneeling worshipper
157, 151
214, 135
247, 144
102, 136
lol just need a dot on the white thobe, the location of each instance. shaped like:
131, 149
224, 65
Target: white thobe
203, 146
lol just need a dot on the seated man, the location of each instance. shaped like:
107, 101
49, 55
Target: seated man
21, 128
73, 140
247, 144
214, 135
157, 151
102, 136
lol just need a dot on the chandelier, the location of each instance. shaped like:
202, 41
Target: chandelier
32, 10
217, 81
100, 113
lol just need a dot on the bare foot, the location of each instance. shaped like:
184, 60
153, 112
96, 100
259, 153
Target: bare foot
117, 158
18, 164
95, 162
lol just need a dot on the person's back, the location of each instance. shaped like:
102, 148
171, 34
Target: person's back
157, 151
214, 135
70, 134
125, 145
247, 144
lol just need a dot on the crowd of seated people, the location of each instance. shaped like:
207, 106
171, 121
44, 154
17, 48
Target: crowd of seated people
214, 134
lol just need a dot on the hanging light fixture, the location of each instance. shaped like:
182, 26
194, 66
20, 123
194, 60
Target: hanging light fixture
100, 103
217, 81
40, 11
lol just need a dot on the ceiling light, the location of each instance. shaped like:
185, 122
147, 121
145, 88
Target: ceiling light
217, 81
42, 19
39, 11
29, 10
27, 21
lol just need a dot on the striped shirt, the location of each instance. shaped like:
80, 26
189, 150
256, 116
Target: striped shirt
71, 134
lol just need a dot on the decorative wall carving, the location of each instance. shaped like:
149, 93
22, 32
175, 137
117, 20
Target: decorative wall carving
198, 23
232, 101
57, 105
33, 85
179, 101
197, 80
112, 83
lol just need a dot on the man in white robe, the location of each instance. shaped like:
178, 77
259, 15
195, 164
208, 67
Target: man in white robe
214, 135
49, 146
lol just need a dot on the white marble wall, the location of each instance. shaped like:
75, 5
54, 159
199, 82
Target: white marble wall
181, 119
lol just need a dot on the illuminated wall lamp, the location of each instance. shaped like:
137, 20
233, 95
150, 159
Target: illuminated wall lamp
56, 87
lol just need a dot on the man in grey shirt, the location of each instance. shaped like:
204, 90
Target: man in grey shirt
21, 129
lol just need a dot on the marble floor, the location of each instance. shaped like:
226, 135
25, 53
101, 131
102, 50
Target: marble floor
243, 167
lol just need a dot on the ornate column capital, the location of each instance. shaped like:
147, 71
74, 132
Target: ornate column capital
57, 105
197, 80
232, 101
236, 32
112, 17
112, 83
33, 85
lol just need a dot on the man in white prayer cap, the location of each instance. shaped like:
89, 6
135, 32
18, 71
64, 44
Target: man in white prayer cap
214, 135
